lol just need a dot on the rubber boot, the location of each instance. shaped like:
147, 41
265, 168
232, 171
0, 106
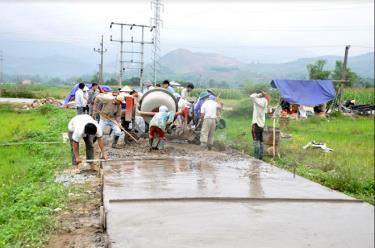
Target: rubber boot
151, 141
260, 150
161, 145
256, 149
115, 141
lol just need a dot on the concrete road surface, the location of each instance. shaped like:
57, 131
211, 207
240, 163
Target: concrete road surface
197, 202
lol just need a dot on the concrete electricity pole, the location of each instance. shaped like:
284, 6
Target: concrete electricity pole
343, 77
1, 66
142, 42
101, 51
344, 70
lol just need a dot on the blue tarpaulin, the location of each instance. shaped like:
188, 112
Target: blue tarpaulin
75, 88
305, 92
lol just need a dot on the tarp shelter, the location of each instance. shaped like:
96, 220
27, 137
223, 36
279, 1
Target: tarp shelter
75, 88
305, 92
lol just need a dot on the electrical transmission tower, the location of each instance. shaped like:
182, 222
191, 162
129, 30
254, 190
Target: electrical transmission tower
1, 66
156, 21
101, 51
142, 42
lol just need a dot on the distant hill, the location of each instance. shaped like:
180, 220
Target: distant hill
66, 60
185, 65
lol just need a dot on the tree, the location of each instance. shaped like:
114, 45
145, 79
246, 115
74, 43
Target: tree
316, 71
352, 77
111, 81
95, 78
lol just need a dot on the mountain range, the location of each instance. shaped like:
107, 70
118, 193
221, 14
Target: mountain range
179, 64
186, 65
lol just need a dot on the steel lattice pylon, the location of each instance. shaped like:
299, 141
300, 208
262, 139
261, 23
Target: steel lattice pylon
156, 21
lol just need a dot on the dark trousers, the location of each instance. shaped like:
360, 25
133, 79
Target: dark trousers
80, 110
89, 142
257, 133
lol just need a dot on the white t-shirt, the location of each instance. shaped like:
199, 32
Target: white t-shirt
209, 108
184, 93
259, 110
77, 126
80, 98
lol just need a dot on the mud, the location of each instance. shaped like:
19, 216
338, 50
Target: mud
78, 223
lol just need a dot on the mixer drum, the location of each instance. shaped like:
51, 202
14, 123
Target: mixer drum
153, 99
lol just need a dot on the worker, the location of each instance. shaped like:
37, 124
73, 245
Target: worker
147, 86
260, 103
86, 97
109, 108
198, 106
80, 99
84, 126
208, 117
93, 92
185, 92
158, 124
166, 85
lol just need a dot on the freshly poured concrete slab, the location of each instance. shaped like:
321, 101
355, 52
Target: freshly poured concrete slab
186, 178
219, 224
244, 203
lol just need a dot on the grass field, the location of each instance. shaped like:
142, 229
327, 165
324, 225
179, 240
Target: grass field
350, 168
28, 193
34, 91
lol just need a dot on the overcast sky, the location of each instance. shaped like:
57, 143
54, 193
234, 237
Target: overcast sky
317, 28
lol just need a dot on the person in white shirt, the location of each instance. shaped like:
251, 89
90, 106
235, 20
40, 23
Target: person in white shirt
185, 92
208, 116
80, 99
84, 126
260, 104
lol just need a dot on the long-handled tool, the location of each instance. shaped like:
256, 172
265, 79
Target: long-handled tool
117, 124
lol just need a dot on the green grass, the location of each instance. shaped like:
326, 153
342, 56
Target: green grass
362, 96
34, 91
28, 193
349, 168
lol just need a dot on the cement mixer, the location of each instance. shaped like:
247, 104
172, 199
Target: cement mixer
181, 129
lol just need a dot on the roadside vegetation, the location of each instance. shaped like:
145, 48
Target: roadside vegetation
349, 168
34, 91
28, 193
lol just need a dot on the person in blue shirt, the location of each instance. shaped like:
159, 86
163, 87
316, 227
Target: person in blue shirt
158, 124
166, 85
198, 104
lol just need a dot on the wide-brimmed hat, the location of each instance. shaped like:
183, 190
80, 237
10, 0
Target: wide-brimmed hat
211, 91
120, 98
204, 94
126, 89
163, 108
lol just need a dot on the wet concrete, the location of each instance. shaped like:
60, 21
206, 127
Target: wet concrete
194, 178
196, 202
256, 224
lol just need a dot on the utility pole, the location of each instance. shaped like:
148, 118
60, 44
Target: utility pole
344, 70
142, 42
156, 21
101, 51
121, 41
343, 77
